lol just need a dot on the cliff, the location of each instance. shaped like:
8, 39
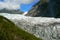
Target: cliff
39, 9
45, 8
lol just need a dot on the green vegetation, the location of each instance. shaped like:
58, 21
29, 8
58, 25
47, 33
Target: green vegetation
43, 1
8, 31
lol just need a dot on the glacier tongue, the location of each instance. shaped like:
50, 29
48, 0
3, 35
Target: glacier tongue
41, 27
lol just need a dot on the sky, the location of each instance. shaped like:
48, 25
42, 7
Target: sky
22, 5
27, 7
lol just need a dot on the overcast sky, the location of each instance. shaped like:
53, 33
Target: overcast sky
23, 5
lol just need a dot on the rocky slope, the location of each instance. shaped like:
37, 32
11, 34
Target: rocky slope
39, 9
46, 8
41, 27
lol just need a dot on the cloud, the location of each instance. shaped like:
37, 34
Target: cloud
19, 1
8, 6
13, 4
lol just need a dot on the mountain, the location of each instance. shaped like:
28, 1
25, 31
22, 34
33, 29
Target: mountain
39, 9
10, 11
9, 31
45, 8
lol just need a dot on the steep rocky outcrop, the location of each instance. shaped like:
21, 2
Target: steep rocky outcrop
39, 9
46, 8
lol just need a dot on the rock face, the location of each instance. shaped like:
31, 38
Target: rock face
39, 9
41, 27
50, 8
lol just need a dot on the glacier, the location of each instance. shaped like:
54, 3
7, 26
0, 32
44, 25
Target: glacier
42, 27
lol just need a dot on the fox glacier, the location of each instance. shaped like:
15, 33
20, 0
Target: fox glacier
42, 27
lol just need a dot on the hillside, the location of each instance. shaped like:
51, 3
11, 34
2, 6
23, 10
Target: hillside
8, 31
45, 8
10, 11
39, 9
